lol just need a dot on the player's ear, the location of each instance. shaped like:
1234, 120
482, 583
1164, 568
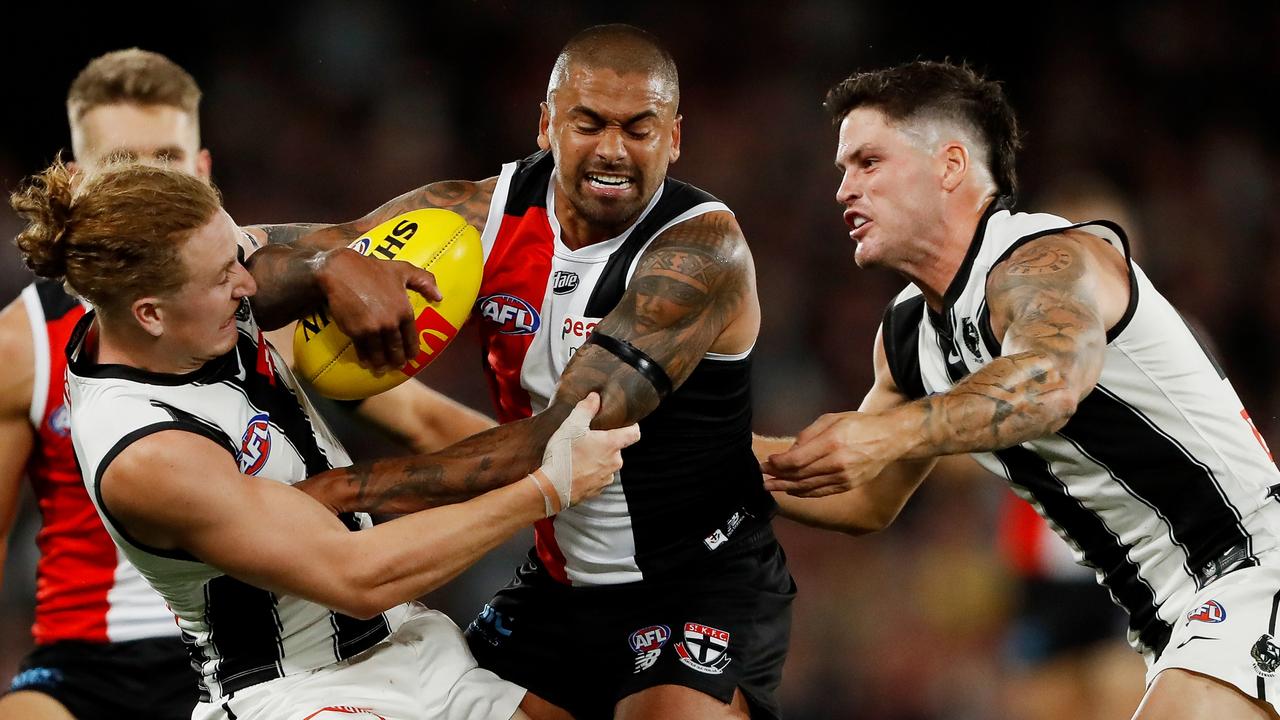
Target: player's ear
954, 159
675, 139
204, 165
146, 311
544, 126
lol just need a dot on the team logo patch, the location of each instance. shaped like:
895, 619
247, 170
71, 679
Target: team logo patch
704, 649
647, 644
255, 444
243, 312
564, 282
60, 421
1266, 656
511, 314
971, 339
1210, 612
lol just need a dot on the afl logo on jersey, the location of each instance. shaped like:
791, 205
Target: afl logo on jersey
60, 421
564, 282
255, 445
511, 314
1210, 612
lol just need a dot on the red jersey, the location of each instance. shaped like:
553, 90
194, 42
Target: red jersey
85, 589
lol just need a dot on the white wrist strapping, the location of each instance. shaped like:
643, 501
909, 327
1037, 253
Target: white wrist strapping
557, 459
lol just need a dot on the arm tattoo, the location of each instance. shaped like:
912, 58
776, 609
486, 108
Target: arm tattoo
692, 282
472, 467
468, 199
1052, 355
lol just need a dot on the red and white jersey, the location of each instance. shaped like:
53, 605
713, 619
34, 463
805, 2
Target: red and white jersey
85, 588
691, 488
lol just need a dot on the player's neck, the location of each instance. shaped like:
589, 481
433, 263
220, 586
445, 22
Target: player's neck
137, 349
936, 267
577, 231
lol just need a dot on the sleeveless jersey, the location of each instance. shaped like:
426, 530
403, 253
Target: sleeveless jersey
1159, 481
248, 403
691, 487
86, 589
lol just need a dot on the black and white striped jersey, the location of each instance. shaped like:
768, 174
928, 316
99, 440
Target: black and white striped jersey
1159, 481
248, 403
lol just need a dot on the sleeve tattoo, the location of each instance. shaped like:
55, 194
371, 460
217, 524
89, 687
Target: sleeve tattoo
468, 199
692, 282
1052, 355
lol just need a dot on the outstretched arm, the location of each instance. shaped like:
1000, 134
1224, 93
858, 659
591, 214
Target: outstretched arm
833, 440
178, 490
468, 199
1051, 301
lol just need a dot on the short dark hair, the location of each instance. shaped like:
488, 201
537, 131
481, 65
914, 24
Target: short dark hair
944, 89
621, 48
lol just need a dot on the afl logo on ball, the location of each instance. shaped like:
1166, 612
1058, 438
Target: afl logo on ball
255, 445
361, 246
511, 314
564, 282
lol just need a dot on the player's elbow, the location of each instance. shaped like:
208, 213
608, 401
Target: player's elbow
1058, 408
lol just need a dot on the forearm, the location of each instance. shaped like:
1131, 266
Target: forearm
16, 442
462, 471
867, 508
422, 418
410, 556
288, 282
1009, 401
307, 235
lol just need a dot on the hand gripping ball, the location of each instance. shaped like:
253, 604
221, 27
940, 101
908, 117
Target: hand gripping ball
433, 239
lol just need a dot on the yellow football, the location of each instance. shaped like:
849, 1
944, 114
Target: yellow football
433, 239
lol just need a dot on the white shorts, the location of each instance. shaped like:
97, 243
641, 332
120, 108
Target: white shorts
423, 670
1229, 632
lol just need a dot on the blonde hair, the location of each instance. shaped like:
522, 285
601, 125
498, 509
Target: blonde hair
114, 236
135, 77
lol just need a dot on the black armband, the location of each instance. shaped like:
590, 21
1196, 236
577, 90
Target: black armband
648, 368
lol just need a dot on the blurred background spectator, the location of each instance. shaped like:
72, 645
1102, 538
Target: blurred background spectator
1149, 113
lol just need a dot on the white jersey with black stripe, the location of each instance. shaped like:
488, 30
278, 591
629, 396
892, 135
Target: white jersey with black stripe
247, 402
1159, 480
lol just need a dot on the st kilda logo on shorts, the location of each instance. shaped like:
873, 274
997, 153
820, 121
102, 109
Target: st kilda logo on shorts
255, 444
647, 644
564, 282
705, 649
1210, 612
1266, 656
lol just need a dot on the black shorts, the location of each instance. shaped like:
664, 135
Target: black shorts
142, 678
720, 629
1056, 618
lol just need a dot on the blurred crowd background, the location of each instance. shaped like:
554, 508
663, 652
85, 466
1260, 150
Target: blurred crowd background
1150, 113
